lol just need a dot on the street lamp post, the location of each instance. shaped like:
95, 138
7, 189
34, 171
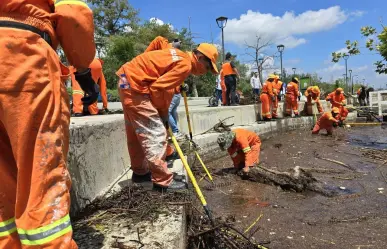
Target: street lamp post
281, 50
344, 77
222, 21
346, 56
294, 71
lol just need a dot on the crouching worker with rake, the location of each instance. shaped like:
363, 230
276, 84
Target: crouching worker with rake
243, 146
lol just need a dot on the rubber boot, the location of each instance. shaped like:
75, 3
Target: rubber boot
141, 178
173, 186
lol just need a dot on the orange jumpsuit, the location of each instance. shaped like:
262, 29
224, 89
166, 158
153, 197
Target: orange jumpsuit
223, 86
34, 119
160, 43
292, 98
99, 78
313, 93
277, 85
337, 100
245, 148
267, 99
152, 77
325, 122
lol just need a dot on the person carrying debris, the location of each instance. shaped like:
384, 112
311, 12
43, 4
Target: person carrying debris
277, 85
312, 94
78, 94
34, 117
146, 87
267, 97
337, 99
292, 95
327, 121
243, 146
230, 73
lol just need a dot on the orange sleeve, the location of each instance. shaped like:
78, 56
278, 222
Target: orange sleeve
75, 31
245, 146
296, 93
270, 89
174, 77
329, 97
158, 43
102, 85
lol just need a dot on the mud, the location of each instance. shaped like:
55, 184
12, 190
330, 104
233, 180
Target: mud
355, 218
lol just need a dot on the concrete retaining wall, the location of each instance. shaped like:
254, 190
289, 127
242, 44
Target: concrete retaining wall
98, 151
97, 156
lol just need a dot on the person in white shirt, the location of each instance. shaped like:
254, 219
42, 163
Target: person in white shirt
255, 83
218, 89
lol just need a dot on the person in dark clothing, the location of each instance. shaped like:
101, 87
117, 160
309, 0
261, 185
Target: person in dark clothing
230, 73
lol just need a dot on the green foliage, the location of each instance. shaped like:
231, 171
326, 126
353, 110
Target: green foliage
111, 17
379, 45
120, 50
69, 91
114, 96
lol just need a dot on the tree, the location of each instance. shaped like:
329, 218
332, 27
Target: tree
379, 45
112, 17
255, 51
120, 49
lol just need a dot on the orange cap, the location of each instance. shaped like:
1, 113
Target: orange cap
336, 110
211, 52
339, 89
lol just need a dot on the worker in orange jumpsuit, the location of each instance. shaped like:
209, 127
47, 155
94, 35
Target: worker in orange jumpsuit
243, 146
35, 116
267, 97
78, 94
292, 97
160, 43
312, 94
224, 89
277, 85
327, 121
230, 74
337, 99
146, 86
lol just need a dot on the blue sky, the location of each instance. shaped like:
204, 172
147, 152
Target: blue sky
310, 30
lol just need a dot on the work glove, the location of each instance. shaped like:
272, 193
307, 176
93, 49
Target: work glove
335, 124
341, 123
184, 87
88, 86
343, 104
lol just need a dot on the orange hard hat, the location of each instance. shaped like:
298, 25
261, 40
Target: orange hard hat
340, 90
211, 52
336, 110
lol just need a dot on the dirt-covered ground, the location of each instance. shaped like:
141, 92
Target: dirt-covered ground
356, 218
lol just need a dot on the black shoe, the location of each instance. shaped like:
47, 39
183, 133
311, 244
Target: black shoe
170, 164
173, 186
179, 178
78, 114
141, 178
266, 119
172, 156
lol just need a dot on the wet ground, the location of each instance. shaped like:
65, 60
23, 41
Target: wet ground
356, 218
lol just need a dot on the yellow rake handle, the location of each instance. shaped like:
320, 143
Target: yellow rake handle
204, 166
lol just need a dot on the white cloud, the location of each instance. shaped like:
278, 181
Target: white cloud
156, 20
357, 13
161, 22
331, 69
284, 29
293, 61
128, 29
